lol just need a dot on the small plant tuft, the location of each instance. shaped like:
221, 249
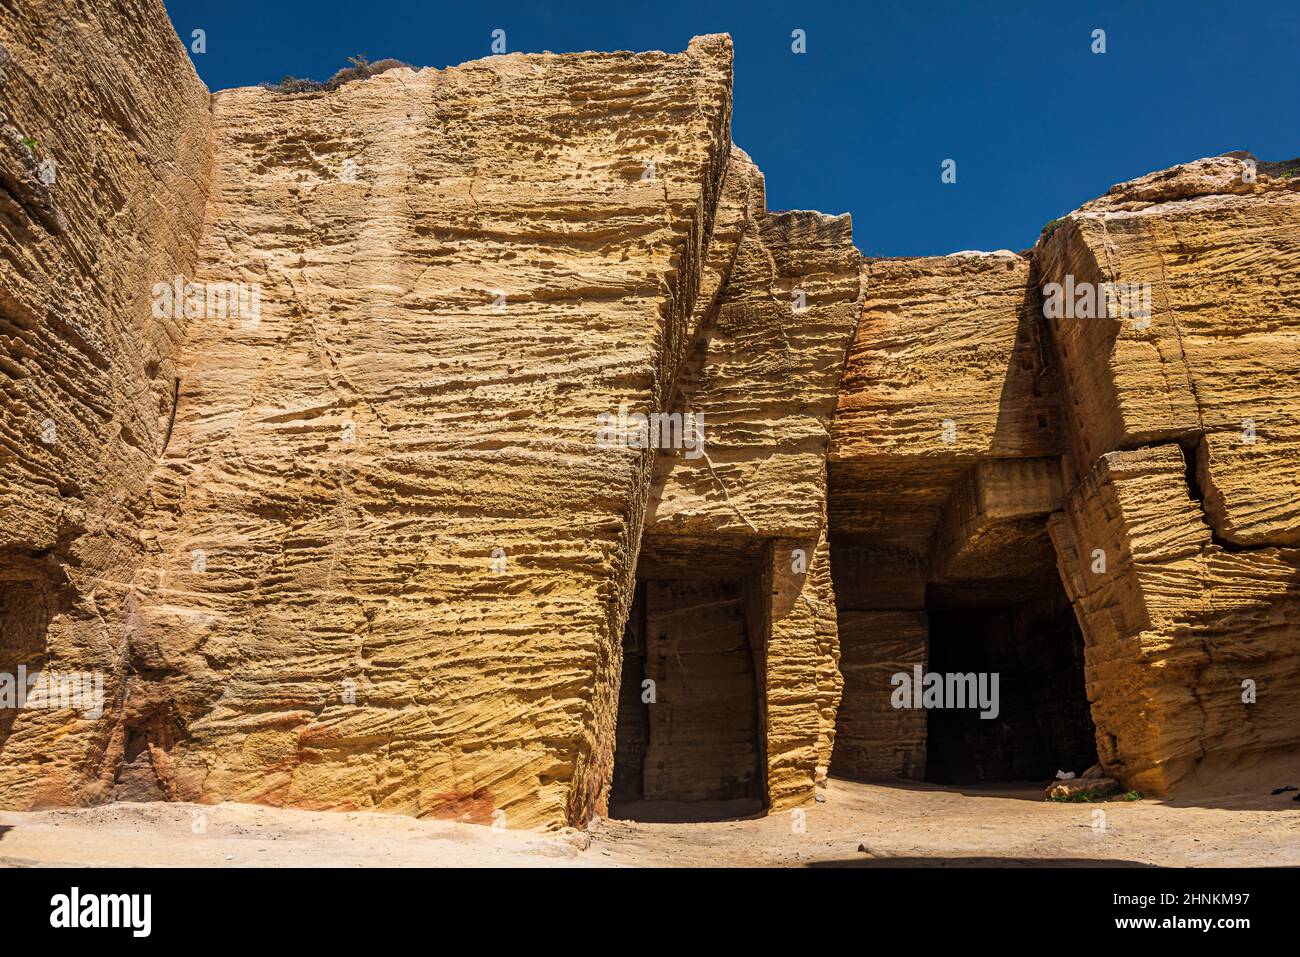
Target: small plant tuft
1078, 797
30, 143
294, 84
360, 69
1133, 795
1051, 228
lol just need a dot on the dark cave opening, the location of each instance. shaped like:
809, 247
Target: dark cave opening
1042, 723
25, 610
687, 743
632, 734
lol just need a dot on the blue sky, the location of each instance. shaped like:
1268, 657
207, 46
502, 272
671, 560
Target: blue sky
862, 121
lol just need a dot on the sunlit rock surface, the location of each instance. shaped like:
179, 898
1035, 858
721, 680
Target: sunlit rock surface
308, 464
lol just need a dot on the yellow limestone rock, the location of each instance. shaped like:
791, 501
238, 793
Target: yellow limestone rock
416, 557
1214, 358
104, 157
1172, 396
943, 467
305, 458
1193, 651
356, 540
763, 373
946, 368
1179, 551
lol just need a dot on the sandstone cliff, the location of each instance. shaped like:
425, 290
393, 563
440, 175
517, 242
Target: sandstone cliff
417, 559
1177, 545
764, 371
104, 164
944, 466
386, 564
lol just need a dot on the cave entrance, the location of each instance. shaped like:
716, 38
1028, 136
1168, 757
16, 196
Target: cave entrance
25, 608
687, 744
1043, 723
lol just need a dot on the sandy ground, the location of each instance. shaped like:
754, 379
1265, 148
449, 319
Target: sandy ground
899, 825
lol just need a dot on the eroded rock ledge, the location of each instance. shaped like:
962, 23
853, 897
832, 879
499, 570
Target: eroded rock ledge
359, 542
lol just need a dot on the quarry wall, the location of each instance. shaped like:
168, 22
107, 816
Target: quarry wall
353, 438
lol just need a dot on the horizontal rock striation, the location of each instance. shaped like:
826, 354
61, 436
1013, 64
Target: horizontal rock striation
1193, 651
416, 555
943, 466
1135, 380
1177, 544
763, 373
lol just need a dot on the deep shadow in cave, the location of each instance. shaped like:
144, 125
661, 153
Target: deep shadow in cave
27, 601
687, 745
1043, 723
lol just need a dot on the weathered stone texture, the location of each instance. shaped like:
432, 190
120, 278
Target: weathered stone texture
1175, 625
702, 732
875, 738
1176, 557
992, 510
1219, 359
1195, 588
1192, 600
394, 473
104, 156
943, 468
360, 544
388, 560
946, 368
764, 371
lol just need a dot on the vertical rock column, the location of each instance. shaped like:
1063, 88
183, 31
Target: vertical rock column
802, 680
104, 155
417, 560
763, 371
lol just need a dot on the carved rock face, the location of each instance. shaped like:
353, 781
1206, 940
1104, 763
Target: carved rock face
322, 448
